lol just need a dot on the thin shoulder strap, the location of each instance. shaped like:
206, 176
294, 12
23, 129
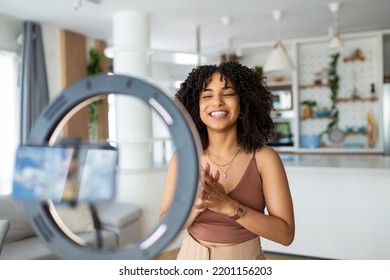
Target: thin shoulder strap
254, 154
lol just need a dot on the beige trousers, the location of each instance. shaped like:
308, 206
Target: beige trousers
193, 250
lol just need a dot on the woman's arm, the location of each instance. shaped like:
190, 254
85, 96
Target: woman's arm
170, 186
169, 191
279, 224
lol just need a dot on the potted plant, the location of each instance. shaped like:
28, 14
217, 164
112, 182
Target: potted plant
308, 110
94, 68
259, 70
334, 88
322, 112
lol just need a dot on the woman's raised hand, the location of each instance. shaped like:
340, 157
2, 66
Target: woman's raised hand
215, 196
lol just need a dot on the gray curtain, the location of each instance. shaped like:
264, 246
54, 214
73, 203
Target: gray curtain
34, 89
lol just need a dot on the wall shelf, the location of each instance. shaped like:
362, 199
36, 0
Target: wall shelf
364, 132
316, 117
358, 74
355, 56
358, 99
313, 86
351, 59
278, 84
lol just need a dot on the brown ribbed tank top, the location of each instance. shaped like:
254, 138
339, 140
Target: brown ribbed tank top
215, 227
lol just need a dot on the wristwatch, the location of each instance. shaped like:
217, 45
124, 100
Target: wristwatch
239, 212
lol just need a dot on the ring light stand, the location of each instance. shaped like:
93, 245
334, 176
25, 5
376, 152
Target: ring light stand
186, 143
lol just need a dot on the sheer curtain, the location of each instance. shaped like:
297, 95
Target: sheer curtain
9, 118
21, 106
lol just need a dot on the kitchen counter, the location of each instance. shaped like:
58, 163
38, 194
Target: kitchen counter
341, 206
337, 161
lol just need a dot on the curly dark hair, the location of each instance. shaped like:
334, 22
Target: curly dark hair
255, 124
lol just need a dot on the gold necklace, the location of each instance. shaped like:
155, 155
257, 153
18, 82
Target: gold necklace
229, 164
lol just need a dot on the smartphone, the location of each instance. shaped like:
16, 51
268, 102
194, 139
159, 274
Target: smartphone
85, 173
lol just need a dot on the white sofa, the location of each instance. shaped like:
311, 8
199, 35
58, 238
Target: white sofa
120, 226
4, 226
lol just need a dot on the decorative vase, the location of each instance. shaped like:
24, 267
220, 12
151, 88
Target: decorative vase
307, 112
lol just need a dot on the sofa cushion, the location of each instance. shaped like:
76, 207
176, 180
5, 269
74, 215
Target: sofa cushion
32, 248
13, 211
78, 219
4, 225
109, 238
118, 214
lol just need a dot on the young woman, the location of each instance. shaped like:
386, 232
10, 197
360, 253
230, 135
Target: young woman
241, 176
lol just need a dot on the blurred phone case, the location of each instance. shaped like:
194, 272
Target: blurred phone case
65, 174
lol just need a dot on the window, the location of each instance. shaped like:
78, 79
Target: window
9, 118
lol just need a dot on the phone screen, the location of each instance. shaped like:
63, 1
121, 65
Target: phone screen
64, 173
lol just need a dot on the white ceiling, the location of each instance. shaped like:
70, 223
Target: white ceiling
174, 22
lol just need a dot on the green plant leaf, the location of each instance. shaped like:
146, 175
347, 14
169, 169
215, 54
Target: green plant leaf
93, 68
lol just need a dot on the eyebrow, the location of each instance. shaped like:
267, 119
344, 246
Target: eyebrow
225, 87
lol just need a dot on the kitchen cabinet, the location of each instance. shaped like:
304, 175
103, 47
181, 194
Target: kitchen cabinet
341, 207
283, 117
282, 96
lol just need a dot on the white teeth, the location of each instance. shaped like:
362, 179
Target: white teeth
218, 113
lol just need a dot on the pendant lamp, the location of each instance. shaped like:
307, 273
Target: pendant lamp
278, 59
335, 41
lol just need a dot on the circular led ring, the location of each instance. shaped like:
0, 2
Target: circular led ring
186, 141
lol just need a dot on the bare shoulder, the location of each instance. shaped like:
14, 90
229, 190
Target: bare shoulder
267, 157
267, 153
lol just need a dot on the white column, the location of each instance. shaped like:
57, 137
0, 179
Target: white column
131, 39
133, 120
131, 32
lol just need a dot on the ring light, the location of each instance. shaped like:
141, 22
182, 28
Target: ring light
185, 139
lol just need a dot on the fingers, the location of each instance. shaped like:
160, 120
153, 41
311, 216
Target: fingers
209, 179
210, 185
207, 168
217, 175
200, 206
205, 175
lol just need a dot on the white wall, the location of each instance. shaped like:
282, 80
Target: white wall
10, 28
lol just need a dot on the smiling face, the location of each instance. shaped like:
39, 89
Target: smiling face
219, 104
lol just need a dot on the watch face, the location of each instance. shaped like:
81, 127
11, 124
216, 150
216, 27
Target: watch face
240, 210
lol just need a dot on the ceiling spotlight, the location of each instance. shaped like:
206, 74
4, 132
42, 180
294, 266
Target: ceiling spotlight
77, 5
226, 20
